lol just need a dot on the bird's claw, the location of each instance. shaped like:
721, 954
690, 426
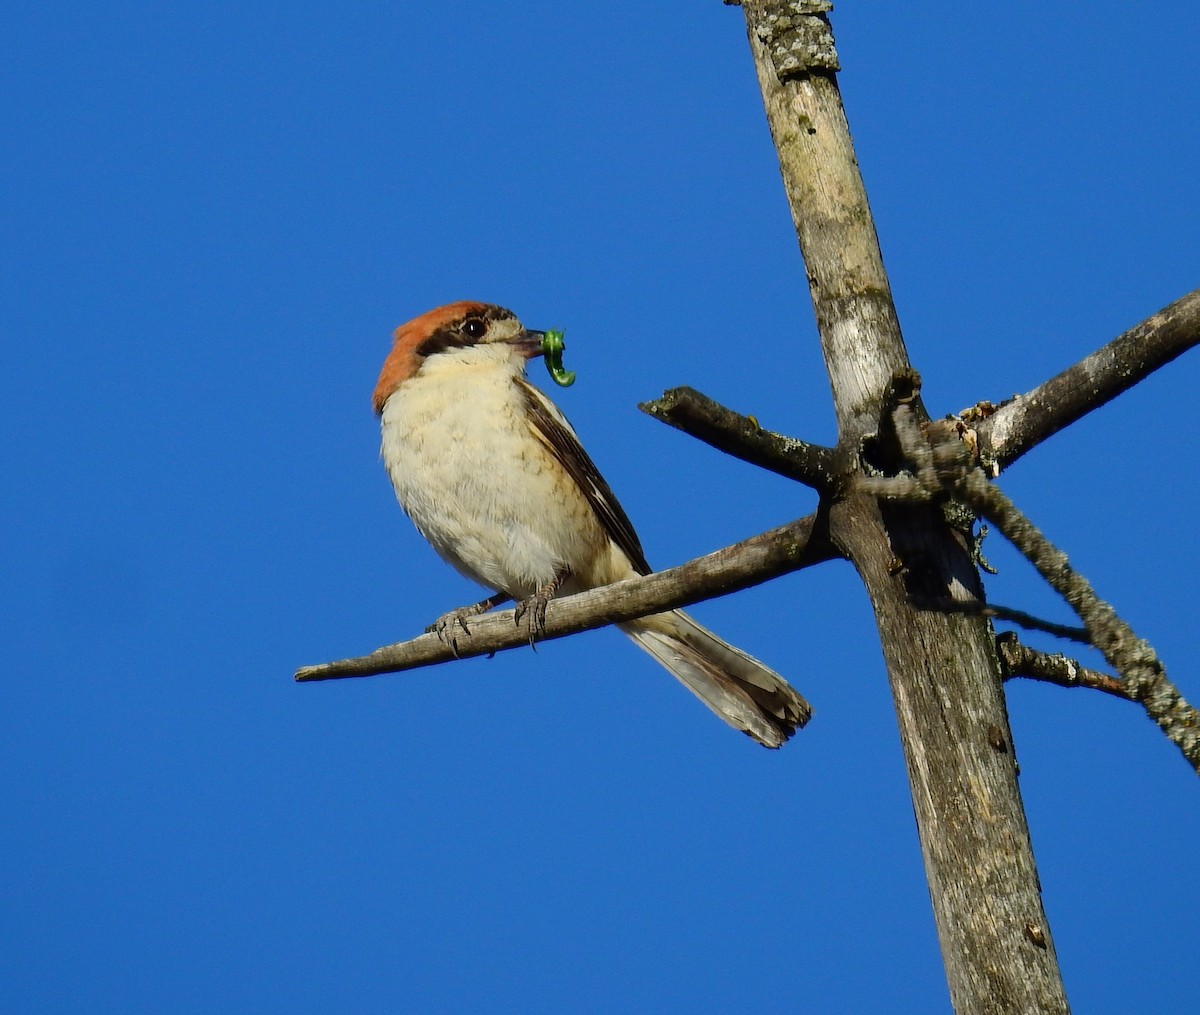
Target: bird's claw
535, 607
445, 627
537, 604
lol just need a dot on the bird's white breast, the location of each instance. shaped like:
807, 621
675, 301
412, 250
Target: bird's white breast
486, 494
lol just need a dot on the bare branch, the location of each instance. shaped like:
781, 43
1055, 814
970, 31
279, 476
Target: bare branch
1026, 421
741, 436
975, 608
1134, 659
1142, 671
953, 473
1022, 661
750, 562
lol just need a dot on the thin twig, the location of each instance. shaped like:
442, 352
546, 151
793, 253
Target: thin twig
1022, 661
1140, 668
1027, 620
750, 562
741, 436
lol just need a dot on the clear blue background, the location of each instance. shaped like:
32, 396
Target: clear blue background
214, 215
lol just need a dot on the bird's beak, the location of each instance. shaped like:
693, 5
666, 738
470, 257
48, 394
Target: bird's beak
530, 342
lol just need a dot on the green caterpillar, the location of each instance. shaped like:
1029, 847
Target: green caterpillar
552, 350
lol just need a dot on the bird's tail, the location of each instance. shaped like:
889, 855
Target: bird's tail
740, 689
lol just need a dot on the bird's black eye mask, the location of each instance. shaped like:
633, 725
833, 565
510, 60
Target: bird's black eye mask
443, 339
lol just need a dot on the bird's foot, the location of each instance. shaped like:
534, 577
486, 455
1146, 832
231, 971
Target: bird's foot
535, 606
447, 626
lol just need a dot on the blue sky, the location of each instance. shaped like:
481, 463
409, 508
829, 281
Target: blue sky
214, 216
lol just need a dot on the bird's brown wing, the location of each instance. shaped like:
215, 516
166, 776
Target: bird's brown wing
551, 428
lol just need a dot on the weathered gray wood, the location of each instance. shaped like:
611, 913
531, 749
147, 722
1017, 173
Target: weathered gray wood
688, 410
943, 668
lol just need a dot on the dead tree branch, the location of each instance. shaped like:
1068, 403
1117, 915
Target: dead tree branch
1023, 423
741, 436
975, 608
1022, 661
1141, 670
942, 668
750, 562
942, 468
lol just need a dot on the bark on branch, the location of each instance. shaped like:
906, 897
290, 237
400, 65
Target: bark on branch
1022, 661
742, 565
741, 436
942, 467
1141, 671
943, 670
1020, 425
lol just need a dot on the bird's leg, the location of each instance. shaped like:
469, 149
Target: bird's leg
535, 605
445, 626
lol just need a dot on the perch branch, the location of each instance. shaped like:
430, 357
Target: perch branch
750, 562
741, 436
1022, 661
1023, 423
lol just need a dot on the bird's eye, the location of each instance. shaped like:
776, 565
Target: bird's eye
473, 327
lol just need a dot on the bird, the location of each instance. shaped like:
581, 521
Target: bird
496, 480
